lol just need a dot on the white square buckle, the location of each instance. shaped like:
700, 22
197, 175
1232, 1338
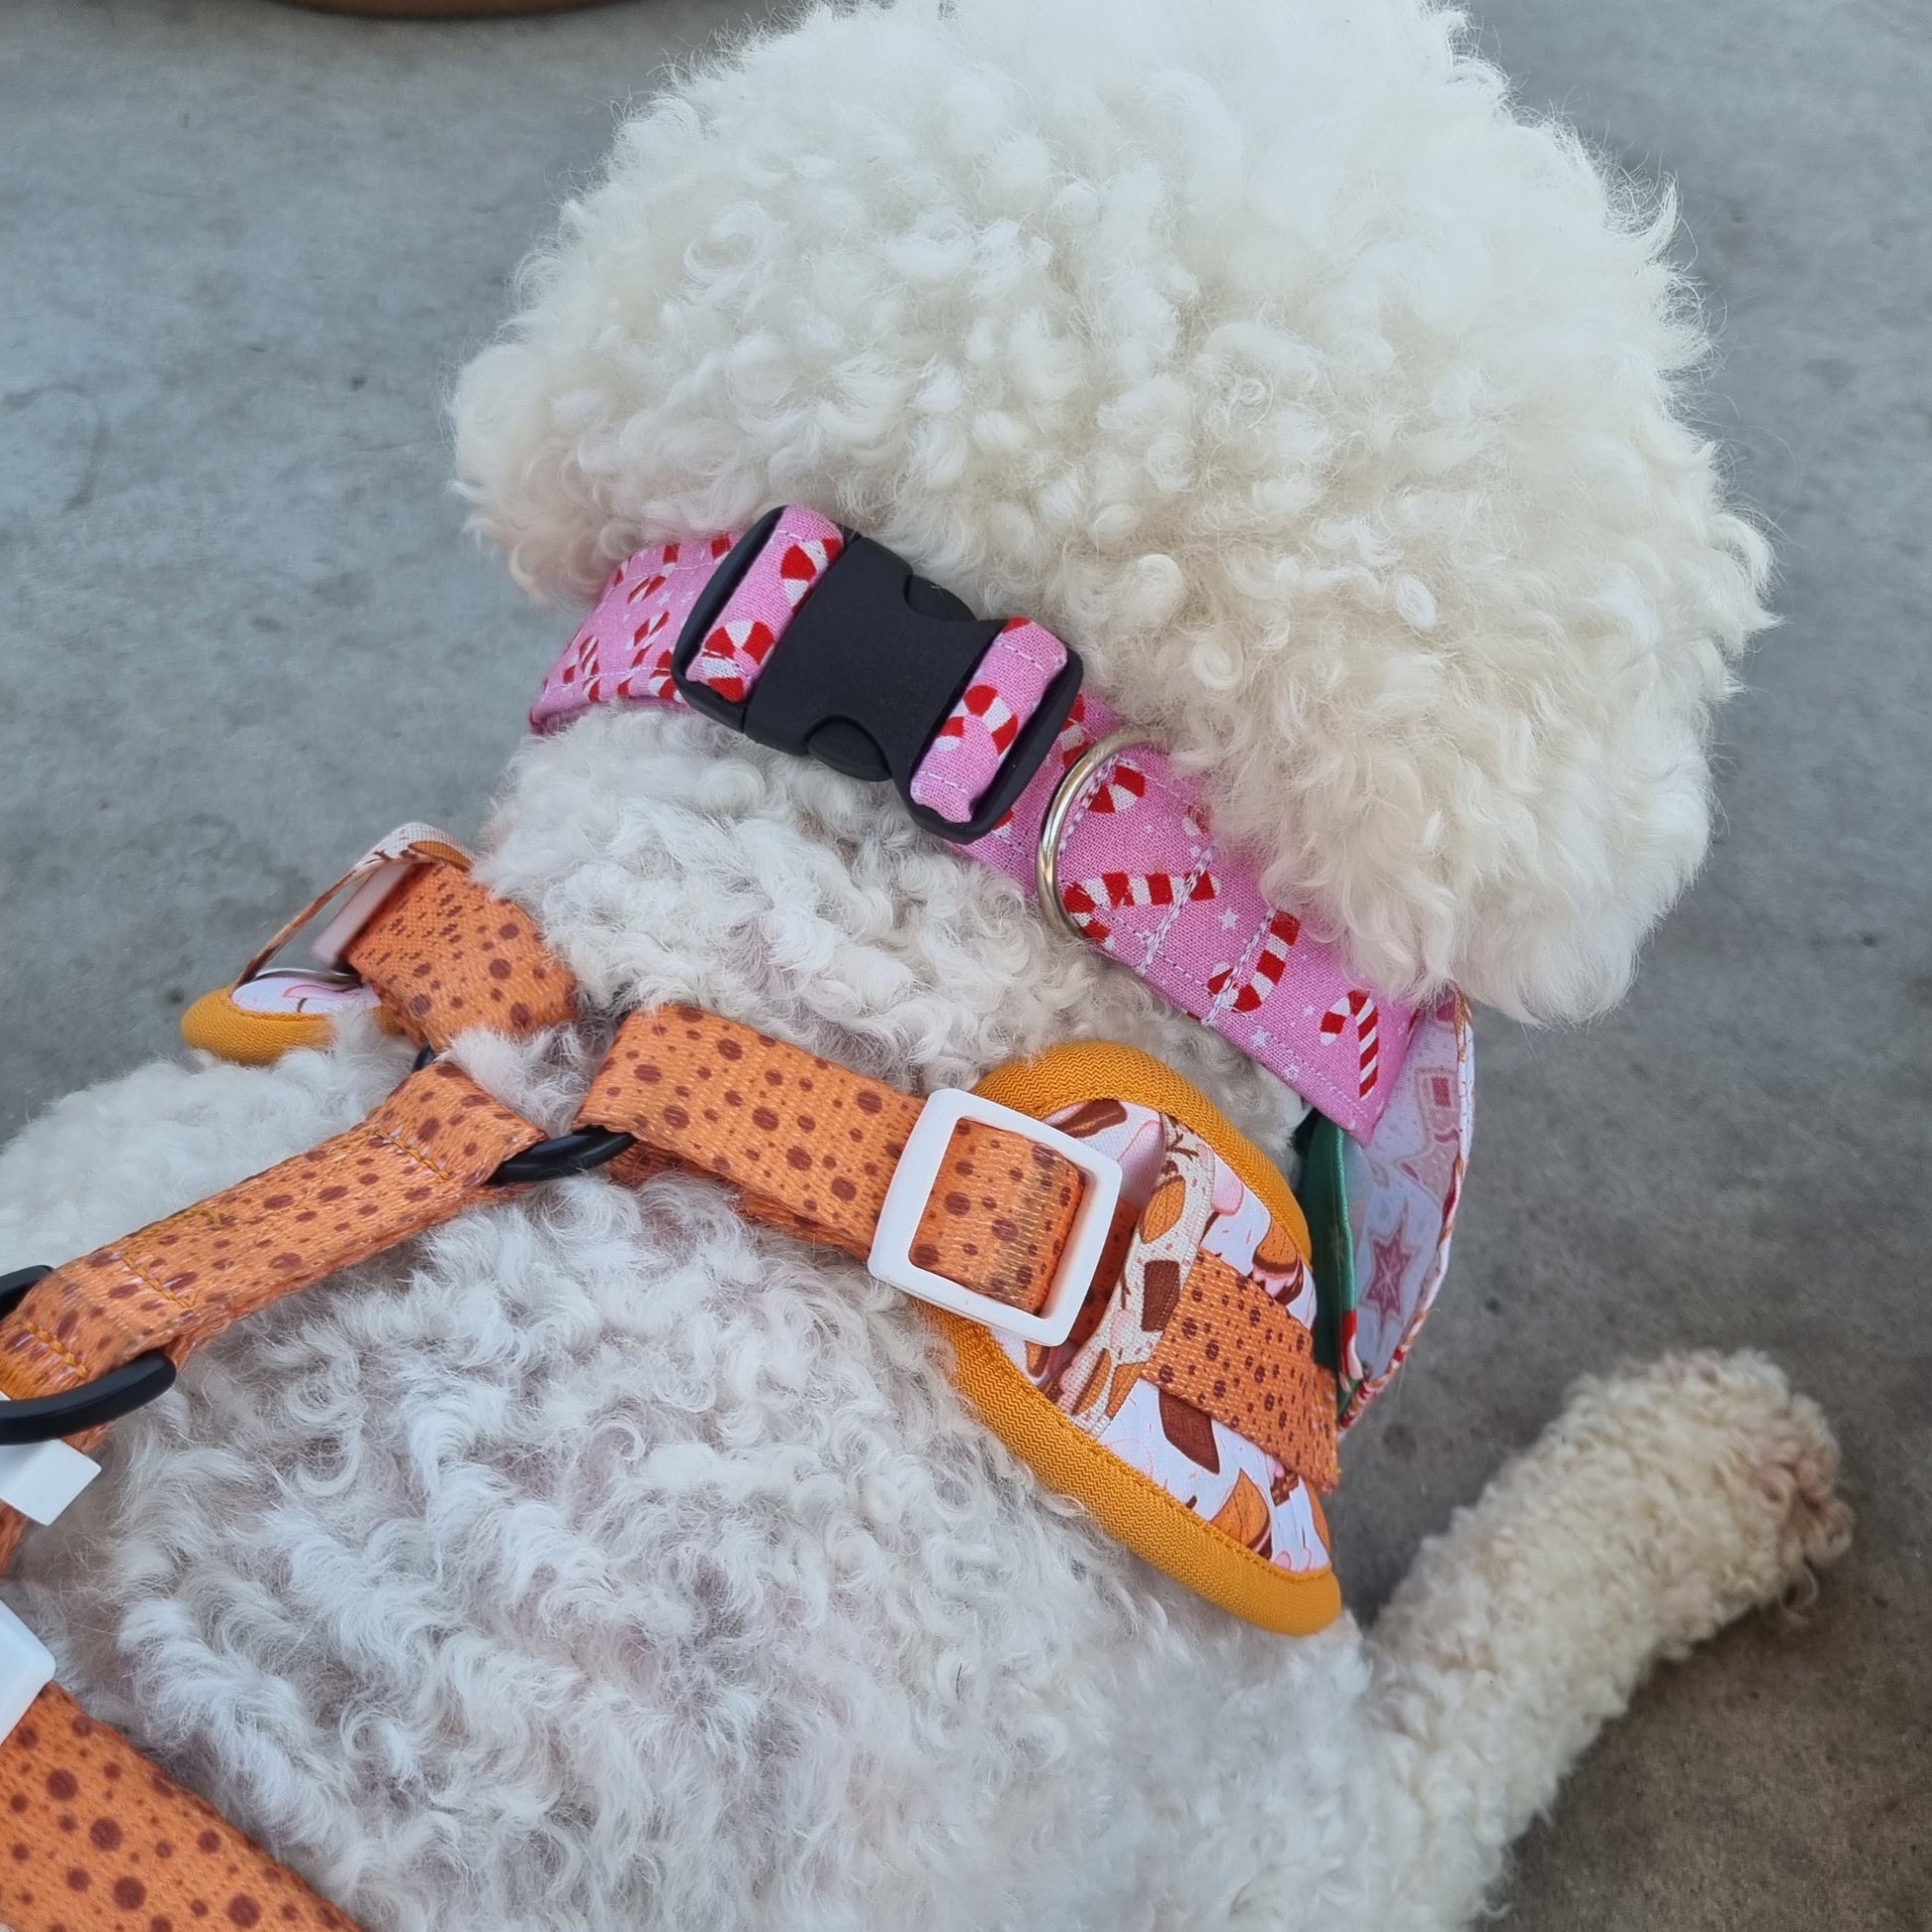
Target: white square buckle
911, 1186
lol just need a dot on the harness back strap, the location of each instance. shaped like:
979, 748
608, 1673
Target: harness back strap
811, 1146
100, 1838
430, 949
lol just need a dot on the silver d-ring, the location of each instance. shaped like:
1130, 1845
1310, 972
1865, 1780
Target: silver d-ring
1059, 809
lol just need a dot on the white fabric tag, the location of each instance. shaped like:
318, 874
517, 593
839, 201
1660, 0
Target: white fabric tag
40, 1479
26, 1670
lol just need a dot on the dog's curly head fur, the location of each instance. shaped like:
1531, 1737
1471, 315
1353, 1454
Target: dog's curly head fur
1332, 411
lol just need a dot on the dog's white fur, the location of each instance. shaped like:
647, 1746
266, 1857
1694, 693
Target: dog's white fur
1257, 348
602, 1560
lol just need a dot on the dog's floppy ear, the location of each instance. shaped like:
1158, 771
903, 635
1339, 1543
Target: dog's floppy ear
1329, 410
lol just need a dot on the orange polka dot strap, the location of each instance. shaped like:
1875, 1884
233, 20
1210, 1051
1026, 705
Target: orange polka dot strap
101, 1839
97, 1839
428, 1150
414, 938
1185, 1409
444, 955
1160, 1323
812, 1148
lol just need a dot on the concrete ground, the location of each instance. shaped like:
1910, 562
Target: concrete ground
241, 250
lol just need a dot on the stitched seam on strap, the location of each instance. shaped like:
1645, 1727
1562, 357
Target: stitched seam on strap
148, 1281
58, 1348
1185, 806
1243, 968
947, 784
1183, 899
421, 1160
1040, 662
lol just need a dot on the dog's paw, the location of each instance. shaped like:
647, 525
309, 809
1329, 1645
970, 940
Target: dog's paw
1744, 1470
1792, 1456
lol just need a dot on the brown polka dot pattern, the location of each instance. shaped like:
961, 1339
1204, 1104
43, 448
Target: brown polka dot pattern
418, 1158
446, 956
1233, 1351
999, 1215
94, 1839
811, 1146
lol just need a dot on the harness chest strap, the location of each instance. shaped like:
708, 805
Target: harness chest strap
811, 1147
813, 1150
98, 1840
417, 940
425, 1154
444, 955
437, 953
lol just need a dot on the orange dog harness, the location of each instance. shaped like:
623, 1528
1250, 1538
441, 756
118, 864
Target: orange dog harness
1124, 1279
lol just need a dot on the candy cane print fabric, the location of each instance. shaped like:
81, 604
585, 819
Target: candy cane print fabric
800, 549
1002, 694
1405, 1187
623, 650
1144, 879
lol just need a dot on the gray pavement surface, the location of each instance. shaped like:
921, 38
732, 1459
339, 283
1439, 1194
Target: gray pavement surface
241, 251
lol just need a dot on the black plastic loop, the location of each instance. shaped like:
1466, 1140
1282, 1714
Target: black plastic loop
108, 1397
568, 1154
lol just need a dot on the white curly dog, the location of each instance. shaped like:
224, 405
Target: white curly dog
603, 1561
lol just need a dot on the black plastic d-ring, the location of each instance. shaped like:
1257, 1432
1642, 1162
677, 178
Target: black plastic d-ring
107, 1398
568, 1154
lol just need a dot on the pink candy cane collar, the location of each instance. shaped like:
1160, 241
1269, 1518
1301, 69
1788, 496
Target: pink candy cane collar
827, 644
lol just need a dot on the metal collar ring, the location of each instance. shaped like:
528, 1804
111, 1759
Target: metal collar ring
1046, 856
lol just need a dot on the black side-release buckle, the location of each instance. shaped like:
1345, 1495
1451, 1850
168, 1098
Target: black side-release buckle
870, 667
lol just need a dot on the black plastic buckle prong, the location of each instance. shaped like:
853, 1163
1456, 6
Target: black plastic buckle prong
109, 1396
869, 669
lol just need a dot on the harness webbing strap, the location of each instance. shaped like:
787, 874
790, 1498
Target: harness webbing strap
101, 1838
812, 1146
98, 1840
447, 955
420, 1158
